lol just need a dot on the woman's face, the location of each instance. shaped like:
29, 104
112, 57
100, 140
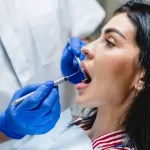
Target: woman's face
112, 63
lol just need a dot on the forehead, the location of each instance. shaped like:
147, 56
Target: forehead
122, 23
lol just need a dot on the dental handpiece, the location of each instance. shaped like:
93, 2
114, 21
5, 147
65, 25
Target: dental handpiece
56, 83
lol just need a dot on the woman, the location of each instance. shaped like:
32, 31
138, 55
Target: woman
118, 68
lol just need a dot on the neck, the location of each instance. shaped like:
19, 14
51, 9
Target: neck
107, 120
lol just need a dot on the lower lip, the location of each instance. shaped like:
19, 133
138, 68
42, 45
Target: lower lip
81, 85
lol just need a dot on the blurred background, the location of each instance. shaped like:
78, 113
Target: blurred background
109, 6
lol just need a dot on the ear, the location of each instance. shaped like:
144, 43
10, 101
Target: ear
140, 83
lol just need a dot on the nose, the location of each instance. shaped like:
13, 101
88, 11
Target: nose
88, 51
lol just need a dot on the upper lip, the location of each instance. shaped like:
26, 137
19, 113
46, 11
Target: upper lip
83, 66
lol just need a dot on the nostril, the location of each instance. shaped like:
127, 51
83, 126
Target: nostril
89, 55
88, 52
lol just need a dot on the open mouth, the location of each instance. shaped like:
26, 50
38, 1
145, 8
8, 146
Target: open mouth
88, 78
85, 83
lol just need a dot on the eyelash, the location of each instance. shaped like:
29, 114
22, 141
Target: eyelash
109, 44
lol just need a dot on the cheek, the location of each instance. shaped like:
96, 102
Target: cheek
116, 69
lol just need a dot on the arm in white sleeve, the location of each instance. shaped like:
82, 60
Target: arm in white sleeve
85, 16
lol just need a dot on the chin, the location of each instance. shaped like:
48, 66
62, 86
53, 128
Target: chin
83, 101
80, 100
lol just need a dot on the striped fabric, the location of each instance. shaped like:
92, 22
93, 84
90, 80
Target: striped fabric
110, 141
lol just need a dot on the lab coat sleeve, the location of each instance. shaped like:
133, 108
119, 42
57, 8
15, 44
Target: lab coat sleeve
85, 16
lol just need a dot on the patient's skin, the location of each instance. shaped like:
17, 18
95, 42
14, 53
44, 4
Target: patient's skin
112, 63
3, 137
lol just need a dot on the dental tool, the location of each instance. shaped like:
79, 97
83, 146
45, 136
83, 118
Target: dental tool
78, 61
56, 83
78, 120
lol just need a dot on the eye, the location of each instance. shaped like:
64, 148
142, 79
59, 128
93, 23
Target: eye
109, 43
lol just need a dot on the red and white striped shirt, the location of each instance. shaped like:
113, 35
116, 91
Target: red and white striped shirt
110, 141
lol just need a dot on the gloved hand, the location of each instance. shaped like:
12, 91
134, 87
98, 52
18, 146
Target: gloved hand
37, 114
69, 64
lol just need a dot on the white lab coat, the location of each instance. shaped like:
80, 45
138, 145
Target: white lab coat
33, 34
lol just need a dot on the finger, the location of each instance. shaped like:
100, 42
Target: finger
37, 97
49, 116
49, 102
75, 46
27, 89
82, 57
45, 106
82, 43
75, 63
69, 48
67, 51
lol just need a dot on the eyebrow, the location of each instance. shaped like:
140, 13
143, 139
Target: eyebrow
114, 30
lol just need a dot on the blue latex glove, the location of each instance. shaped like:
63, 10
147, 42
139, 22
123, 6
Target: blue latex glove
37, 114
69, 64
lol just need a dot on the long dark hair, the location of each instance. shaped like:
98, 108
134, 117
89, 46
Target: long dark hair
137, 121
